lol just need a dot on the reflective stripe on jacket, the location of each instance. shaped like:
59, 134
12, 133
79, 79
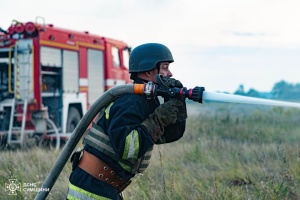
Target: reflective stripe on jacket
100, 141
76, 193
121, 140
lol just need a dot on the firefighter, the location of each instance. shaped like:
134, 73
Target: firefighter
119, 144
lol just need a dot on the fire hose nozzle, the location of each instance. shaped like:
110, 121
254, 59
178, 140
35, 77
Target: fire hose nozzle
152, 90
196, 94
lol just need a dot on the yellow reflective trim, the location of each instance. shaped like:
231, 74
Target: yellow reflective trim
107, 110
82, 194
69, 197
131, 147
126, 167
126, 147
136, 144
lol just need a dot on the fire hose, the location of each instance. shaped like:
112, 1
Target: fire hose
150, 90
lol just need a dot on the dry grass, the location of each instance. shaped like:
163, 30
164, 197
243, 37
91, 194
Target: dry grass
227, 152
31, 166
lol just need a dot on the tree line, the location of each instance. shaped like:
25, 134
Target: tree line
281, 90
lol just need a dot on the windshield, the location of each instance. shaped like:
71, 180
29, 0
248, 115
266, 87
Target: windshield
126, 57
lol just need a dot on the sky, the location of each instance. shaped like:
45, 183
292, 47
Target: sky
216, 44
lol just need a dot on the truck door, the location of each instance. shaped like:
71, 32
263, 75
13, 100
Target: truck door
51, 70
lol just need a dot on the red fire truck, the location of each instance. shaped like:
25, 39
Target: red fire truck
49, 77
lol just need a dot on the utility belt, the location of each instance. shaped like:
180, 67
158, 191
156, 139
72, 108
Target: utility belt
102, 171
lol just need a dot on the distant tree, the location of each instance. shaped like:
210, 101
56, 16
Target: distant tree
253, 93
284, 90
296, 91
240, 90
281, 90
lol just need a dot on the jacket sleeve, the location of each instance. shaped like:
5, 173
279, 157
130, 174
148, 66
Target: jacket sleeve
122, 122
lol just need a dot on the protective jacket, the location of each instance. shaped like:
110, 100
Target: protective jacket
119, 139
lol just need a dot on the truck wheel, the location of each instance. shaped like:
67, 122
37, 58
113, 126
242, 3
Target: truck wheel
73, 119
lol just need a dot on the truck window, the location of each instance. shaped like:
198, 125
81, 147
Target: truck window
115, 56
126, 57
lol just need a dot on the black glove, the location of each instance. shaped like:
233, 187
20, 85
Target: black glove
171, 82
182, 112
163, 116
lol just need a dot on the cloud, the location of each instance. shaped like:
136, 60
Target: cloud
207, 23
212, 41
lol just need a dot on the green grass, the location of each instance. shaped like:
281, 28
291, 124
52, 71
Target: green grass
229, 151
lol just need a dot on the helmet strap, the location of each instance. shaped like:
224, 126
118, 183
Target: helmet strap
140, 80
158, 67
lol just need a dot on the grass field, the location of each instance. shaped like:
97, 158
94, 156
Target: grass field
229, 151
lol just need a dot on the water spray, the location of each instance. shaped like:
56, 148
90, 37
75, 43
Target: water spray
199, 94
230, 98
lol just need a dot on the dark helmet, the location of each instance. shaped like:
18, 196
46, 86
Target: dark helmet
146, 56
